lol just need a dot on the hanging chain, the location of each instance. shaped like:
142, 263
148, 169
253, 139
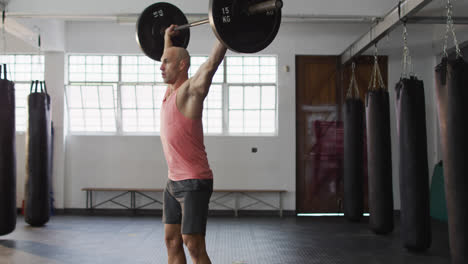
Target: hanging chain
353, 84
376, 75
407, 63
405, 51
3, 33
451, 27
38, 30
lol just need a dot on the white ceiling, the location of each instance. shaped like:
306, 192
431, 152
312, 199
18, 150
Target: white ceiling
41, 14
121, 7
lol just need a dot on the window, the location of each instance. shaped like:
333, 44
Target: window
91, 96
22, 69
91, 108
123, 94
252, 109
252, 94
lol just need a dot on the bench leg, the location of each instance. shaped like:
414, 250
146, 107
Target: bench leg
281, 204
236, 205
87, 199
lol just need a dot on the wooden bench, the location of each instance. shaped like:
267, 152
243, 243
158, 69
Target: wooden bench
218, 195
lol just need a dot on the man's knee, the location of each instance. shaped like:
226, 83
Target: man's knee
195, 245
173, 242
173, 238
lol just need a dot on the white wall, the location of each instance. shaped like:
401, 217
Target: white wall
138, 161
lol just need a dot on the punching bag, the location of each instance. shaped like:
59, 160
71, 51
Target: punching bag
7, 155
452, 102
37, 196
353, 154
379, 154
413, 170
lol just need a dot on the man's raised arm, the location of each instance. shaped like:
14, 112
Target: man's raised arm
168, 34
201, 81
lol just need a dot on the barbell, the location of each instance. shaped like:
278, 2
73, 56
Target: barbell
245, 26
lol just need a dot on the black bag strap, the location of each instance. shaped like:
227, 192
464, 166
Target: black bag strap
5, 72
32, 85
45, 87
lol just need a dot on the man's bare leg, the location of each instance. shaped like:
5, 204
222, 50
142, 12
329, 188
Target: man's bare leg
197, 248
174, 244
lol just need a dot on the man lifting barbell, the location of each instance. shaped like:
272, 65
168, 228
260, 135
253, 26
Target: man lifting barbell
240, 25
190, 182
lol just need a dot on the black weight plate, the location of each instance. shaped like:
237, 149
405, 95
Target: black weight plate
239, 31
151, 25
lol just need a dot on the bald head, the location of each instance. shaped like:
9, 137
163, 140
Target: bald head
175, 63
180, 54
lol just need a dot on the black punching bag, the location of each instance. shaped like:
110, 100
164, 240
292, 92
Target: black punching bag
37, 207
7, 155
379, 155
413, 170
452, 102
353, 158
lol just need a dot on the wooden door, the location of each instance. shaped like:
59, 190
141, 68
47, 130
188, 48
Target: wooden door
321, 86
316, 101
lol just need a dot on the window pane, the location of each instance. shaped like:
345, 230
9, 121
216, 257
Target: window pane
268, 121
93, 68
159, 92
236, 121
21, 94
129, 120
144, 96
250, 69
97, 114
252, 97
234, 61
90, 96
236, 97
93, 118
21, 116
108, 120
195, 62
251, 121
128, 97
74, 97
22, 68
215, 97
214, 121
140, 69
106, 96
268, 97
76, 119
146, 120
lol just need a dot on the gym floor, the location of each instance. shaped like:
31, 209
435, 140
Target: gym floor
246, 239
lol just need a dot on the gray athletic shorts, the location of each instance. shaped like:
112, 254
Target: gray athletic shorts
186, 203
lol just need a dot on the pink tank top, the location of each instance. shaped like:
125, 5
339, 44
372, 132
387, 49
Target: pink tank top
182, 140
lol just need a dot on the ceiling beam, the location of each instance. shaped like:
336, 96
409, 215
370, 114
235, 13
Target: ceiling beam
436, 20
20, 31
382, 27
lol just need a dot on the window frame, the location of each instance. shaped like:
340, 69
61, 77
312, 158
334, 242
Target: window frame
224, 99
